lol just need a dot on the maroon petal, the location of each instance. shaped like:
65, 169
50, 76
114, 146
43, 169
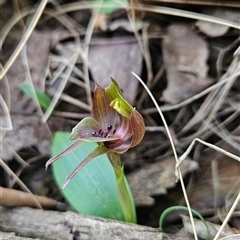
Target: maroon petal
138, 127
101, 149
124, 133
136, 130
88, 130
63, 153
101, 110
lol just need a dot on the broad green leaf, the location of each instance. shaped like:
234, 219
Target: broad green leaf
92, 191
43, 99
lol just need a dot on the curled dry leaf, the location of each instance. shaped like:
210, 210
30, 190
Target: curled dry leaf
117, 58
214, 29
13, 198
185, 55
162, 175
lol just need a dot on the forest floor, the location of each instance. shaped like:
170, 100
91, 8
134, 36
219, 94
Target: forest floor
189, 57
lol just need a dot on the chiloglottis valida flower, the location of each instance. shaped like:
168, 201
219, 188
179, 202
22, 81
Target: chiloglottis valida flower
114, 125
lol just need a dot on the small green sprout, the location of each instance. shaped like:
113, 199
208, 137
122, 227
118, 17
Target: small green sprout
184, 208
43, 99
108, 6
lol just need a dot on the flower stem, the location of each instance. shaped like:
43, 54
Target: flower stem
125, 195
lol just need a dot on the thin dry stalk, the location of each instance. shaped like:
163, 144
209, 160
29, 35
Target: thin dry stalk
7, 116
87, 39
228, 216
166, 108
60, 89
70, 99
18, 158
218, 149
216, 184
178, 170
234, 236
5, 107
186, 153
155, 9
201, 2
25, 37
20, 183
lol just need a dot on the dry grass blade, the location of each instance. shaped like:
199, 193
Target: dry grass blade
21, 184
61, 87
70, 100
144, 45
228, 216
25, 37
201, 2
18, 157
218, 149
178, 170
215, 86
225, 153
5, 109
156, 9
211, 105
87, 39
231, 237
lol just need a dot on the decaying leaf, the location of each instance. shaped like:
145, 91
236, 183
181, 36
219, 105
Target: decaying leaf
123, 24
155, 179
28, 130
38, 49
214, 29
116, 58
185, 55
223, 167
213, 228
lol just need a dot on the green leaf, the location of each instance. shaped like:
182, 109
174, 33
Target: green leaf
108, 6
43, 99
92, 191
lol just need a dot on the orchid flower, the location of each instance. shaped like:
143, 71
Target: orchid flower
114, 125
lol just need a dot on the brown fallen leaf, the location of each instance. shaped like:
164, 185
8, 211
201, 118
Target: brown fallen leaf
213, 228
155, 179
214, 29
28, 130
185, 57
211, 193
116, 57
38, 48
14, 198
123, 24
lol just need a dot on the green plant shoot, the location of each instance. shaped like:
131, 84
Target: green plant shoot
178, 208
43, 99
94, 190
115, 126
108, 6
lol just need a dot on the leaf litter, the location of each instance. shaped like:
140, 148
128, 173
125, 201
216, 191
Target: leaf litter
185, 56
121, 56
184, 53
